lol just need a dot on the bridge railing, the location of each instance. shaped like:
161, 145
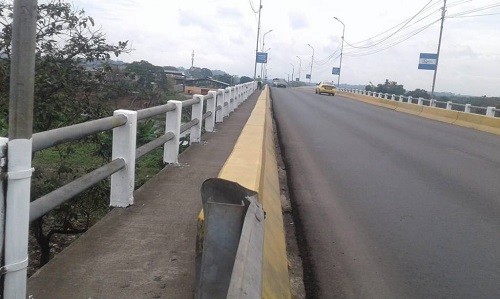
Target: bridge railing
206, 110
490, 111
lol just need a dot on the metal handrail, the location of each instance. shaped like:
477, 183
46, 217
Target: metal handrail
153, 111
152, 145
58, 136
48, 202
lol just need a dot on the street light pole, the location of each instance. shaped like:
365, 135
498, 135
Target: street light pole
293, 71
262, 49
439, 48
312, 61
341, 49
257, 42
300, 65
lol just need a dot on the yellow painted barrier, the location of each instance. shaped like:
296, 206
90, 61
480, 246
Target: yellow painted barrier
253, 165
469, 120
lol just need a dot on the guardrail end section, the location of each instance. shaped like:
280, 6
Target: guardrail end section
229, 213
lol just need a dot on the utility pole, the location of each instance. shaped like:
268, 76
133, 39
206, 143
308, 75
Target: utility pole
293, 71
341, 50
22, 86
262, 50
439, 49
300, 65
192, 59
257, 42
312, 61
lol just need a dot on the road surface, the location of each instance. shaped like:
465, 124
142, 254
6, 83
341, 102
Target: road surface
391, 205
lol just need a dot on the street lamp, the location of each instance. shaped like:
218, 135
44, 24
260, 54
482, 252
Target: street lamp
300, 65
341, 50
264, 38
257, 42
262, 49
293, 71
312, 61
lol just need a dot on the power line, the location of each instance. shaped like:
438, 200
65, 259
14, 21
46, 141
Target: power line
251, 5
482, 15
474, 10
403, 24
395, 42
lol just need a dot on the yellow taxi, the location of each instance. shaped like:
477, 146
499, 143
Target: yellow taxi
325, 87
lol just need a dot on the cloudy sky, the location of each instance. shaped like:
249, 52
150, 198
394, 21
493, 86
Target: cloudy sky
383, 38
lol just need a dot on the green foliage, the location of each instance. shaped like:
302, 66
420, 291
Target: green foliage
63, 87
389, 87
419, 93
245, 79
224, 78
198, 73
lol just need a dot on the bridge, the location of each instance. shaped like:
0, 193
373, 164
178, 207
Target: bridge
146, 249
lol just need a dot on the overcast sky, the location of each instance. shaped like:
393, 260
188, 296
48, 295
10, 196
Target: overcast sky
223, 35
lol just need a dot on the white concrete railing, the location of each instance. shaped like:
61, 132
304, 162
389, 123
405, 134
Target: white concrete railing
490, 111
218, 104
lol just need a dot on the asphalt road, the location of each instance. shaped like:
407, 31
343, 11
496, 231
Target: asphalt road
391, 205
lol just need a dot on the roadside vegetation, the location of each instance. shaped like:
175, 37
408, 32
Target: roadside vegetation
76, 80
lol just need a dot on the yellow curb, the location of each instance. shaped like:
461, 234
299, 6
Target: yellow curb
468, 120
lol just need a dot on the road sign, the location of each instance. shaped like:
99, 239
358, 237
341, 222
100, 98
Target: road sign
308, 76
427, 61
336, 71
261, 57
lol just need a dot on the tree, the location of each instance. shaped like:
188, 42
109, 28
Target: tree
390, 87
419, 93
224, 78
245, 79
67, 91
199, 73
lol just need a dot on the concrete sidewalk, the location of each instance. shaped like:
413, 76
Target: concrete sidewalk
147, 250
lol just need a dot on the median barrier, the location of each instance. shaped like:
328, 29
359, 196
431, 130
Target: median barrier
459, 118
253, 165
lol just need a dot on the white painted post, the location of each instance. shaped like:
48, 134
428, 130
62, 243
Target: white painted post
210, 121
385, 96
225, 106
410, 99
237, 96
173, 124
393, 97
401, 98
432, 103
124, 146
219, 117
232, 95
490, 111
467, 108
196, 113
380, 95
17, 212
448, 105
420, 101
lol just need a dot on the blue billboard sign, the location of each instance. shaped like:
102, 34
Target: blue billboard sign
336, 71
308, 76
261, 57
427, 61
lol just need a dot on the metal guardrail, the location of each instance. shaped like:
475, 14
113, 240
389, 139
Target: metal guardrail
231, 262
490, 111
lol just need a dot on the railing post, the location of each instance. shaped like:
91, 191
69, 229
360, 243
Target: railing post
124, 146
448, 105
432, 103
385, 96
210, 121
393, 96
467, 108
219, 116
490, 111
232, 97
225, 106
401, 98
173, 124
410, 99
420, 101
196, 113
237, 96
